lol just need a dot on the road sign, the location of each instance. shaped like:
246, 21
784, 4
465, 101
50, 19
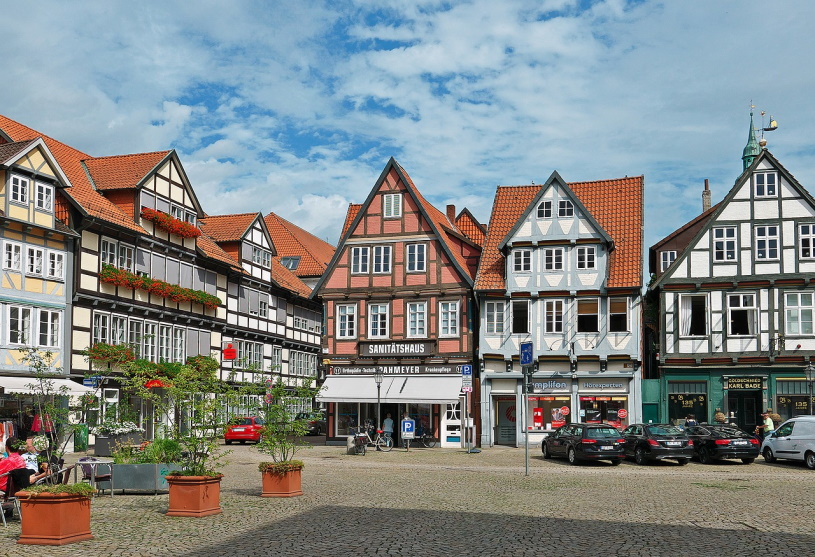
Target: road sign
408, 428
466, 369
467, 388
92, 381
526, 353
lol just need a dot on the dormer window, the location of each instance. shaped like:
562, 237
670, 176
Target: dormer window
45, 197
565, 208
261, 257
766, 184
392, 205
19, 189
545, 210
291, 263
666, 258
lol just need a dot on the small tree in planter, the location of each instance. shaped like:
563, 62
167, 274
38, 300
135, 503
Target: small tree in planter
282, 437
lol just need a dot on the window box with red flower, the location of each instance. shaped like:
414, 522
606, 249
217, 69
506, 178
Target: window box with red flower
178, 294
170, 224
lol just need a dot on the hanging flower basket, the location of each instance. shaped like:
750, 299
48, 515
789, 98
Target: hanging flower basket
119, 277
170, 224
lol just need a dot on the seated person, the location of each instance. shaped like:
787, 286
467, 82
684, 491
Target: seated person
45, 470
14, 460
31, 456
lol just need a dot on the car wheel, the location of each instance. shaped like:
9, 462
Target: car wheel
616, 461
704, 456
639, 456
768, 455
682, 461
227, 441
545, 450
572, 456
809, 459
748, 460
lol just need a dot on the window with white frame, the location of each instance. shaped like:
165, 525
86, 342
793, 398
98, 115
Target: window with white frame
416, 258
588, 315
108, 253
553, 316
586, 257
261, 257
165, 343
34, 260
618, 315
377, 320
494, 316
553, 259
806, 241
742, 310
448, 319
19, 189
277, 359
101, 326
19, 325
118, 329
798, 311
520, 316
545, 210
56, 265
179, 345
724, 243
250, 354
125, 257
190, 217
382, 259
359, 260
12, 256
766, 242
666, 259
45, 197
49, 328
392, 205
346, 321
417, 319
766, 184
693, 315
522, 260
263, 308
149, 341
135, 336
565, 208
177, 212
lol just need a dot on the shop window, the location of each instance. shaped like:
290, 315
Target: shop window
742, 309
618, 315
587, 316
550, 412
612, 410
520, 316
693, 315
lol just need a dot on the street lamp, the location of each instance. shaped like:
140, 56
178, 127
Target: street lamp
378, 377
810, 373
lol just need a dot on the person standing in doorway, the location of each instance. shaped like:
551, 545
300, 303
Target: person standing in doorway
387, 425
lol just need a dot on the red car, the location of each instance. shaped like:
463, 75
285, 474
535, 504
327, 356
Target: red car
243, 429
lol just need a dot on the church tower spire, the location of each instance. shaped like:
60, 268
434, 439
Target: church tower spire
751, 150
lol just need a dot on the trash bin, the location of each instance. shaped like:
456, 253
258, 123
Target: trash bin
81, 438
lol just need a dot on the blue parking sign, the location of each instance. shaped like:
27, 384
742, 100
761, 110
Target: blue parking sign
526, 353
408, 428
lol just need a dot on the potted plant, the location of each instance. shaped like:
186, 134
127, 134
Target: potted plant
282, 437
190, 406
55, 514
112, 433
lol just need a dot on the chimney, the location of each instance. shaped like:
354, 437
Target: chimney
706, 196
451, 214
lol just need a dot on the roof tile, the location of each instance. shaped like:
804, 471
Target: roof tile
122, 171
227, 228
292, 241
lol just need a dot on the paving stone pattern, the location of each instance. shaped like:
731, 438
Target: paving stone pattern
448, 502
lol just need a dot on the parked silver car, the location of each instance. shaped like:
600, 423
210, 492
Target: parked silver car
793, 440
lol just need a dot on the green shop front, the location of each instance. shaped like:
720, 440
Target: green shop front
742, 394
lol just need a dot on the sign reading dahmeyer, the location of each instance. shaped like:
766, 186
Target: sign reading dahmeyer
395, 369
376, 349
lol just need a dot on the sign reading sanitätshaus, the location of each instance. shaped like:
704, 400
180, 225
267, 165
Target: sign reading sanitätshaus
411, 348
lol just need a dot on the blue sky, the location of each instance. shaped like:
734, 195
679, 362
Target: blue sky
295, 107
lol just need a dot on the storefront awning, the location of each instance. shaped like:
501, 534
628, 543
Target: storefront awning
24, 385
420, 389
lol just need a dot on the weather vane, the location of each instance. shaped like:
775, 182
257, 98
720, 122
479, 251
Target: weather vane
773, 125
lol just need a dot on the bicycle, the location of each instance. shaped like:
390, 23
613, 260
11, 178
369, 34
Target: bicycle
362, 438
382, 442
426, 439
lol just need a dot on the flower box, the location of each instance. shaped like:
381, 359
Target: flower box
170, 224
54, 518
194, 496
120, 277
106, 445
142, 477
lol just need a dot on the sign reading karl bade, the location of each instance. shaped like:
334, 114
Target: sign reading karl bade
375, 349
743, 383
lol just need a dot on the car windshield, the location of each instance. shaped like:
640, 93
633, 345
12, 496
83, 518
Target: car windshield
246, 421
601, 432
663, 430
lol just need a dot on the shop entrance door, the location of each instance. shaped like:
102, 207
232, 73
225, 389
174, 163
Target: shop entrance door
744, 408
506, 422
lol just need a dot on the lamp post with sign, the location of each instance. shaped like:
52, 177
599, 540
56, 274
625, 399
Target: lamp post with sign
810, 373
378, 377
527, 350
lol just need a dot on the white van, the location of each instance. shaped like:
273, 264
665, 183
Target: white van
792, 440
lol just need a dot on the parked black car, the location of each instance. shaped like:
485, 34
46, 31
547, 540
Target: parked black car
712, 442
316, 422
648, 442
579, 442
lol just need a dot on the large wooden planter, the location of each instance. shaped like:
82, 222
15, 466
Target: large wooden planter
54, 518
286, 484
194, 495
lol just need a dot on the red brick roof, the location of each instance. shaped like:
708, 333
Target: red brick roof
292, 241
227, 228
617, 206
209, 248
287, 279
122, 171
10, 150
470, 227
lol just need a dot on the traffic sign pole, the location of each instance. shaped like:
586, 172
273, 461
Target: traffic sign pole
526, 356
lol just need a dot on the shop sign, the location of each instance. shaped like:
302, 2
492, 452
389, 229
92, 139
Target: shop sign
612, 385
744, 383
622, 413
379, 349
550, 386
587, 398
416, 369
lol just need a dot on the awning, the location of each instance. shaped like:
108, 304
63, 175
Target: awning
23, 385
421, 389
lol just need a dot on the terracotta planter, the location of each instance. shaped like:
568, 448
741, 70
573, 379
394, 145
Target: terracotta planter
194, 495
287, 484
54, 518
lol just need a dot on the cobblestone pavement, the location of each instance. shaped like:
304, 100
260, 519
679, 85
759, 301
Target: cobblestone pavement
448, 502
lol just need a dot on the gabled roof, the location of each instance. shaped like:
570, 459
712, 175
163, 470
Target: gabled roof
470, 227
616, 205
287, 279
444, 230
228, 228
292, 241
209, 248
91, 202
123, 171
9, 152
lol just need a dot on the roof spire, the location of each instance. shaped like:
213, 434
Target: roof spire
751, 150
